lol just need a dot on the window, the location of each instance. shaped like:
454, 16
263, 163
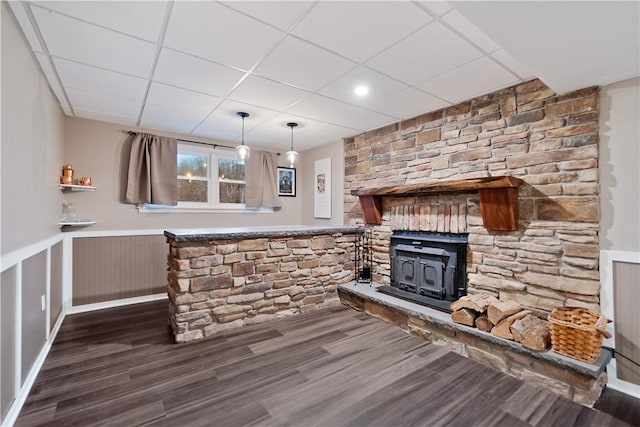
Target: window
209, 178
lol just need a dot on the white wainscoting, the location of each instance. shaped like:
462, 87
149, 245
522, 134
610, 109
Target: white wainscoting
15, 259
607, 306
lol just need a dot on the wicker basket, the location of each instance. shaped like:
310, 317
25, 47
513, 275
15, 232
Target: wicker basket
577, 332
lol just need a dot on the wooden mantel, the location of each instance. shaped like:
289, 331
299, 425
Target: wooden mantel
498, 198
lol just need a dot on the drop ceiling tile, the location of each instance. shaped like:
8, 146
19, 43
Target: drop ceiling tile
425, 54
189, 72
409, 103
105, 117
580, 44
170, 119
177, 109
301, 64
224, 128
182, 100
470, 31
224, 122
380, 86
138, 18
281, 14
359, 30
362, 120
305, 124
276, 131
438, 8
84, 77
477, 78
511, 63
85, 100
78, 41
267, 134
267, 94
215, 32
321, 108
18, 9
321, 135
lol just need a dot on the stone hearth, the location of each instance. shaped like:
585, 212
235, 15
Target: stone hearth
573, 379
549, 142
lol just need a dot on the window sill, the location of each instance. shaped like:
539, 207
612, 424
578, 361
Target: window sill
209, 210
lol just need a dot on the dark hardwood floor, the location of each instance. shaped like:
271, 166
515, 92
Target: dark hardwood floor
334, 367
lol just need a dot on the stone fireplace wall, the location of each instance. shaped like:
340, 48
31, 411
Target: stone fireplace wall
527, 131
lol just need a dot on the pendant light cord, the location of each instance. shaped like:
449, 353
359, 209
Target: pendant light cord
242, 130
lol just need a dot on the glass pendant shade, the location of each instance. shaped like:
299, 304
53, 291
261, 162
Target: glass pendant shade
292, 156
242, 151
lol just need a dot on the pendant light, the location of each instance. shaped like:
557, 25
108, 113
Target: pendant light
291, 156
242, 151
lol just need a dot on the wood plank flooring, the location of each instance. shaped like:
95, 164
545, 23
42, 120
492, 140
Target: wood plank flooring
332, 367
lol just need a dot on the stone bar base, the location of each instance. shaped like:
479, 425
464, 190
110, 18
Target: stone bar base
575, 380
227, 278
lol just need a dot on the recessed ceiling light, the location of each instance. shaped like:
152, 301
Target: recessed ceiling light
361, 90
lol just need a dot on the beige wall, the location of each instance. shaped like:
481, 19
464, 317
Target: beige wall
32, 146
97, 149
306, 183
620, 166
31, 152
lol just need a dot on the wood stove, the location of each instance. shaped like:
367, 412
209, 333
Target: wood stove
428, 268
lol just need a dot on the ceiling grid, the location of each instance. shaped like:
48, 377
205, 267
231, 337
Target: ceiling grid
188, 67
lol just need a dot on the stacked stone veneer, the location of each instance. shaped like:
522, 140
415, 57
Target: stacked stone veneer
549, 141
575, 380
215, 285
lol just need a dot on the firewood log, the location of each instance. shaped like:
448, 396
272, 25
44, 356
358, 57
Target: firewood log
503, 328
483, 323
464, 316
477, 302
500, 309
532, 332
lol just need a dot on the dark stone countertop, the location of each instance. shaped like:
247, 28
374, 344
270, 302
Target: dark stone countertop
200, 234
444, 320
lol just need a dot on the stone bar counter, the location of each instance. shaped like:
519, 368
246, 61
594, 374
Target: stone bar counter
223, 278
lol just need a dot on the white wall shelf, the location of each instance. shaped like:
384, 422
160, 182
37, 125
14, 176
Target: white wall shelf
74, 187
76, 224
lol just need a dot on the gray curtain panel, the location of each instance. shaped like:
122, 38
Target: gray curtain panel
261, 174
153, 170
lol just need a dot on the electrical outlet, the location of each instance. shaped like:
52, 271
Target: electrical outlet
43, 302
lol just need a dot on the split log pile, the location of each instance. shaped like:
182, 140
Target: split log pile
504, 319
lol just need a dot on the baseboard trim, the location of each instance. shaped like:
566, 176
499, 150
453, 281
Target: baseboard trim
617, 384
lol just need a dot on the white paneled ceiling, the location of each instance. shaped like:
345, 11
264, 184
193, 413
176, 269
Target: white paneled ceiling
190, 66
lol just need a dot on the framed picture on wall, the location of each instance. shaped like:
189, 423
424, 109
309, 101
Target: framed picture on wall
287, 182
322, 193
